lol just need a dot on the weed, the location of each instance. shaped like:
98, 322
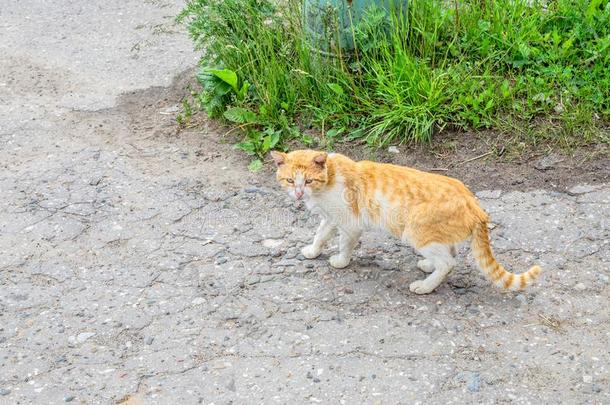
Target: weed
186, 114
471, 64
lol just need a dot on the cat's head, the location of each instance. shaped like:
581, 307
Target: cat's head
301, 172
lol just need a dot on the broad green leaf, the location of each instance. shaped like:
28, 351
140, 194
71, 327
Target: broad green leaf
247, 146
266, 145
204, 78
221, 88
240, 115
331, 133
226, 75
255, 165
356, 134
256, 136
336, 88
270, 140
307, 139
241, 94
275, 138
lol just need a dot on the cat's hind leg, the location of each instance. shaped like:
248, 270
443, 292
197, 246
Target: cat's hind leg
426, 265
325, 232
437, 255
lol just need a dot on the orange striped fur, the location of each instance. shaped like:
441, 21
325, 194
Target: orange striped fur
431, 212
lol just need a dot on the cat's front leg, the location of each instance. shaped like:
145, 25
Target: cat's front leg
347, 242
325, 231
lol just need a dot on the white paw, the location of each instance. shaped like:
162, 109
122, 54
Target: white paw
421, 287
425, 265
310, 252
338, 261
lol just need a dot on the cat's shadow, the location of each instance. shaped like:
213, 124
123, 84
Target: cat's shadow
371, 275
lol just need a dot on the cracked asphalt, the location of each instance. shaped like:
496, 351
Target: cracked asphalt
142, 265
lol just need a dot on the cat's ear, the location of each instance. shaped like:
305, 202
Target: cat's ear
320, 159
278, 157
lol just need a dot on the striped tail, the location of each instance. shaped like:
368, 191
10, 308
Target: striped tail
493, 270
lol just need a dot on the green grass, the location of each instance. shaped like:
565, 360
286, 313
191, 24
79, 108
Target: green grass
481, 64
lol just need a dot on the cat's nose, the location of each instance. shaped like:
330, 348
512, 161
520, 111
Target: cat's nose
298, 194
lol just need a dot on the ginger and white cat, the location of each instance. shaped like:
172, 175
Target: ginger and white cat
432, 213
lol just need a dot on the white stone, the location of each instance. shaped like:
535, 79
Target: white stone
580, 287
83, 337
272, 243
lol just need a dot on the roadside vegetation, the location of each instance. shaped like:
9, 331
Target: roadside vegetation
540, 69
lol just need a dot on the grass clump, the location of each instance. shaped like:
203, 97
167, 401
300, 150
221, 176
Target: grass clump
470, 64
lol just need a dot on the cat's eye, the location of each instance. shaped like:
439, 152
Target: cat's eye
290, 181
308, 181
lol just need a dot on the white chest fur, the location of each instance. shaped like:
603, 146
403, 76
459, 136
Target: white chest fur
333, 203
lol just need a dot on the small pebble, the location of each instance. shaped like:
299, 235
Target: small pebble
587, 379
272, 243
4, 392
603, 278
309, 265
393, 149
231, 385
83, 337
309, 375
95, 181
316, 380
580, 287
348, 290
300, 257
170, 110
475, 382
221, 260
69, 398
460, 291
149, 340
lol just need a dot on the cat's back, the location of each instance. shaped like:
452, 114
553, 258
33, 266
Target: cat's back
393, 179
391, 175
404, 173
